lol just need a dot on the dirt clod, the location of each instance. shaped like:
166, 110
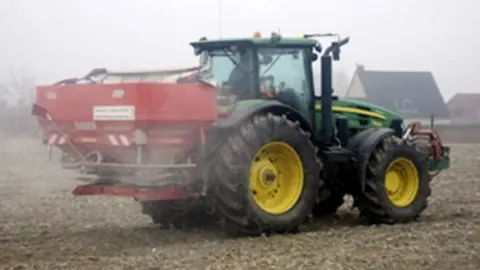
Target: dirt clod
43, 226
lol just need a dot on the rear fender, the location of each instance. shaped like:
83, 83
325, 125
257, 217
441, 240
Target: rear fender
247, 109
362, 145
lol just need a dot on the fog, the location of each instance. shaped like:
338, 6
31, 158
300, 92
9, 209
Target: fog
56, 39
46, 224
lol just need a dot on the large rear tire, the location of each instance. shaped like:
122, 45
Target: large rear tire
265, 177
397, 184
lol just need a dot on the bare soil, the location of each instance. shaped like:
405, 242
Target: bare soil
43, 226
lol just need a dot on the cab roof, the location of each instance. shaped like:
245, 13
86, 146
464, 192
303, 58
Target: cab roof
261, 42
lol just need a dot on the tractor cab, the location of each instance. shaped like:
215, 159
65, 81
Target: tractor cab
261, 68
277, 68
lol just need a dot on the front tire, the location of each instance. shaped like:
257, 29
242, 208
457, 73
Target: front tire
265, 177
397, 183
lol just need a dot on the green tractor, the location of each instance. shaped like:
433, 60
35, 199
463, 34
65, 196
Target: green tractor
281, 153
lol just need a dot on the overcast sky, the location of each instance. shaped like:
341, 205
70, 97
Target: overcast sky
55, 39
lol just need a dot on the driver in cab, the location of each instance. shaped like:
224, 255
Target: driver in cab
240, 77
267, 83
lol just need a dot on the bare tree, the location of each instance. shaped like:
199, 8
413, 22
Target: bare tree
16, 97
20, 88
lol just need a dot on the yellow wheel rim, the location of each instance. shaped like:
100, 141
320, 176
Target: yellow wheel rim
402, 182
276, 178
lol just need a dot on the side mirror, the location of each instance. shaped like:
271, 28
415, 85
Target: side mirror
336, 53
314, 57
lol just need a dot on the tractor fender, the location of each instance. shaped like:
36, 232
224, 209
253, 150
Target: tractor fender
239, 115
362, 145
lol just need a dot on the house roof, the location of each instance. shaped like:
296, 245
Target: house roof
409, 93
464, 100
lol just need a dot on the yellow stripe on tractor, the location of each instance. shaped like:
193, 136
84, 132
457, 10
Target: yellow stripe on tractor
353, 110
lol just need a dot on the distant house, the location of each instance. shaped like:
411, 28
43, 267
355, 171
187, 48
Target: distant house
413, 95
465, 108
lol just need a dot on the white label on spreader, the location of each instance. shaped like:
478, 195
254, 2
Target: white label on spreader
113, 113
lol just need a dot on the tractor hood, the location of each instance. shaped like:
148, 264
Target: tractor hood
353, 103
